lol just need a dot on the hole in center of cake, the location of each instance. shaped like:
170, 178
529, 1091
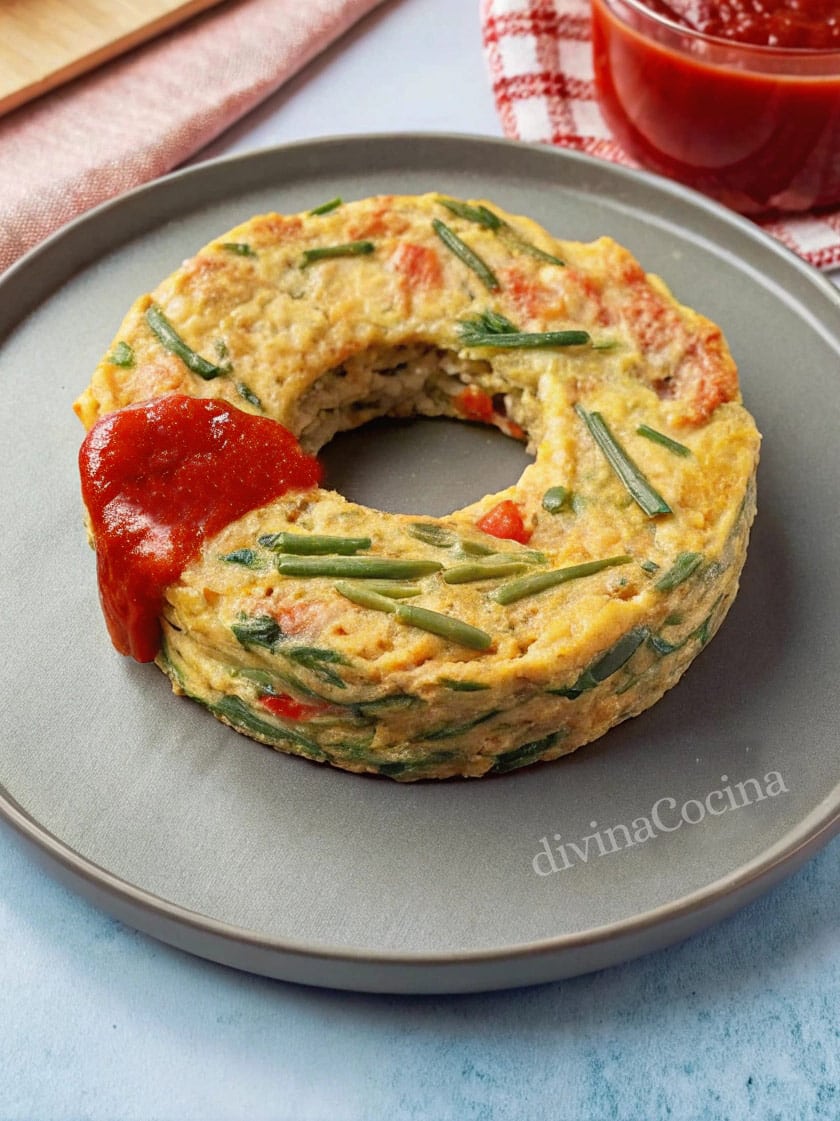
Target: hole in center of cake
428, 466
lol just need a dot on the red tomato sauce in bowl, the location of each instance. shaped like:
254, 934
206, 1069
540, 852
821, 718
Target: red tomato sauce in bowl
740, 99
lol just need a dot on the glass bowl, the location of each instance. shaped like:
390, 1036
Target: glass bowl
756, 127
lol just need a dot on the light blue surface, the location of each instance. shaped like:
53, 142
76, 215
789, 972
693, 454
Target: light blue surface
99, 1022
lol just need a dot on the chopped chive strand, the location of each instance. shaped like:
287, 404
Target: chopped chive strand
638, 487
444, 626
247, 394
487, 323
478, 214
459, 686
488, 570
383, 568
170, 340
522, 340
448, 731
485, 217
466, 255
238, 248
660, 438
326, 207
349, 249
681, 569
514, 240
542, 581
313, 544
496, 323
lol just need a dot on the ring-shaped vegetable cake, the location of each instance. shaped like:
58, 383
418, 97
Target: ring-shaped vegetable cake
511, 631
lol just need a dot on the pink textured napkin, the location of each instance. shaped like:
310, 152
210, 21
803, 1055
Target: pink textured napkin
142, 114
540, 64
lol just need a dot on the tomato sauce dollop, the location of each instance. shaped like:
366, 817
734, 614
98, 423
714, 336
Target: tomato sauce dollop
161, 478
738, 99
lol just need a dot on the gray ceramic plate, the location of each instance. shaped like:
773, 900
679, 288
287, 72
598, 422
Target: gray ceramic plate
210, 842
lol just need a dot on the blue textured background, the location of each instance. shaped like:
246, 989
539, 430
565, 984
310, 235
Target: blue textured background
738, 1022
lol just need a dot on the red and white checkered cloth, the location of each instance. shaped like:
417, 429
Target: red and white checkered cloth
540, 63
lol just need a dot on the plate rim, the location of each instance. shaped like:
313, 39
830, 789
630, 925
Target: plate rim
402, 971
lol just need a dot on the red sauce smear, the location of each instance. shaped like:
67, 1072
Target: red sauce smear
750, 116
505, 520
161, 478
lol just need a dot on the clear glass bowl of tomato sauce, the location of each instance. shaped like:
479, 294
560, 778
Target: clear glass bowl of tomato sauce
755, 124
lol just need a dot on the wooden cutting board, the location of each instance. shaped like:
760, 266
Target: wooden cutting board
44, 43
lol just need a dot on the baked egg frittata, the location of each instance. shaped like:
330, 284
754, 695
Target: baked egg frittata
511, 631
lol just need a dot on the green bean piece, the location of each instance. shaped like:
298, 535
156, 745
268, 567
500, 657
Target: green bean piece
649, 566
393, 589
238, 248
170, 340
326, 207
555, 499
362, 595
683, 567
444, 626
541, 581
466, 255
475, 548
660, 438
521, 340
248, 395
122, 355
478, 214
634, 482
490, 569
359, 568
349, 249
478, 549
431, 534
313, 544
